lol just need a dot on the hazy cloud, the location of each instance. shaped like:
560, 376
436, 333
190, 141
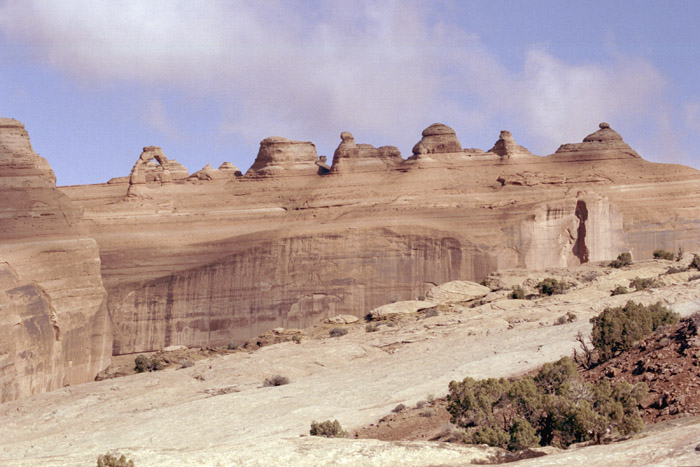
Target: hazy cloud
308, 70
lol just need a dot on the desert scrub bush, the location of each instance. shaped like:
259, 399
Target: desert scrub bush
619, 290
399, 408
695, 263
551, 286
623, 259
663, 254
518, 293
111, 460
296, 338
641, 284
145, 363
232, 346
327, 429
552, 407
337, 332
371, 327
275, 380
618, 329
569, 317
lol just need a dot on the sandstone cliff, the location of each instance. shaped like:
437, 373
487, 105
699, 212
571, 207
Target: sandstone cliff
291, 243
54, 329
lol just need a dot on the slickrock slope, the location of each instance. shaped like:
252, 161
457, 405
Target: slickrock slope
207, 262
54, 329
216, 412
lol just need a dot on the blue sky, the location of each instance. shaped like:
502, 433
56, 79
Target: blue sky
95, 81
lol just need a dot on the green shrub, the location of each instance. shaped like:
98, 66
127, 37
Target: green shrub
111, 460
553, 407
232, 346
337, 332
663, 254
641, 284
569, 317
327, 429
695, 263
551, 286
518, 293
619, 290
275, 380
623, 259
617, 329
143, 363
430, 312
371, 327
296, 338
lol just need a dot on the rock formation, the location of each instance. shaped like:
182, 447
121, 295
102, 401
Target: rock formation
604, 143
230, 168
350, 156
144, 169
207, 263
437, 139
209, 173
282, 157
507, 147
54, 328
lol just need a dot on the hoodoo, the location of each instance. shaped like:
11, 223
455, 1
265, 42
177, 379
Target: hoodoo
350, 156
282, 157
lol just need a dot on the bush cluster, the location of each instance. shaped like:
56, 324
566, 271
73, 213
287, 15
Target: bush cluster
641, 284
518, 293
275, 380
143, 363
110, 460
327, 429
619, 290
552, 408
618, 329
663, 254
551, 286
695, 263
623, 259
337, 332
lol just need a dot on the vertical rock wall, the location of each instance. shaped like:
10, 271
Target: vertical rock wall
54, 327
290, 282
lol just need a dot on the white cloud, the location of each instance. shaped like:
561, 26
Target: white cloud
309, 71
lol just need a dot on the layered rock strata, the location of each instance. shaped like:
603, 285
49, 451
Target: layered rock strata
54, 327
204, 263
507, 147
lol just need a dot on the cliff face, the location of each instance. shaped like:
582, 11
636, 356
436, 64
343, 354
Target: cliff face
294, 241
54, 328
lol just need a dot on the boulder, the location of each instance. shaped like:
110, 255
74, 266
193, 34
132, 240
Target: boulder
283, 157
401, 308
457, 291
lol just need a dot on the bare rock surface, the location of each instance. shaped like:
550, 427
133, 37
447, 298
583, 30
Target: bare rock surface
604, 143
54, 328
218, 412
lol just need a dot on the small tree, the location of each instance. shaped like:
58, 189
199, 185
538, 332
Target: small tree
618, 329
518, 293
